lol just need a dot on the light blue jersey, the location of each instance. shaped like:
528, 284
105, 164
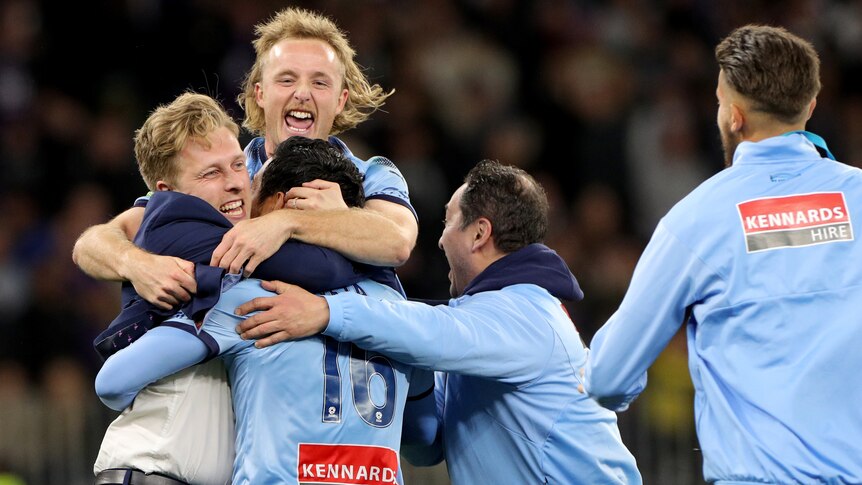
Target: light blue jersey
310, 411
765, 259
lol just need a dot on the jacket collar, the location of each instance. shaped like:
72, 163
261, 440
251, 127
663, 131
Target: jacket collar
535, 264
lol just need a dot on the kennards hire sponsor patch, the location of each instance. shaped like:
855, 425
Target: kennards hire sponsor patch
795, 220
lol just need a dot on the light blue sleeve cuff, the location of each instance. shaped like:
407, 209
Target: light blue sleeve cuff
335, 328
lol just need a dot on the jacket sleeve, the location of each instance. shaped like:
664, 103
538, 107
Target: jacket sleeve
158, 353
499, 335
314, 268
663, 286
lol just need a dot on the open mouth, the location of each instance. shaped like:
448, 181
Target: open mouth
232, 209
299, 121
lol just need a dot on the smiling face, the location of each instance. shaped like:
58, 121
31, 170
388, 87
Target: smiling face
216, 174
301, 90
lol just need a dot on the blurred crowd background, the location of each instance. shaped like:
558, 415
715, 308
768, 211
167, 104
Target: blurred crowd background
610, 104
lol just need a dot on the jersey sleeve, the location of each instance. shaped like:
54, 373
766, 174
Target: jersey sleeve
174, 345
158, 353
421, 437
663, 286
384, 181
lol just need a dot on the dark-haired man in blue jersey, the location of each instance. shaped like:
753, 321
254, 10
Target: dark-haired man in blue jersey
321, 435
509, 401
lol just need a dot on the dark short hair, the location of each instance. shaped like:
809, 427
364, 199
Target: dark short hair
298, 160
511, 199
778, 71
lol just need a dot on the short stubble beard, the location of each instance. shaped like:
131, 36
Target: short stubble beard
729, 142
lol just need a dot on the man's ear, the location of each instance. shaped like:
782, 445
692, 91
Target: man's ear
737, 118
258, 94
280, 200
162, 186
342, 100
811, 109
482, 234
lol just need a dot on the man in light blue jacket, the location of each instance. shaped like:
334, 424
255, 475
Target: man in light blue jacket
509, 401
762, 264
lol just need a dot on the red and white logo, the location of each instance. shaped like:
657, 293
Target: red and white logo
346, 464
795, 220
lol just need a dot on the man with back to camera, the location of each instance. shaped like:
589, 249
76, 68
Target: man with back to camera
762, 264
303, 384
188, 151
509, 404
305, 81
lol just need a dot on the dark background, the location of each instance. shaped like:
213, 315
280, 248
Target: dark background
610, 104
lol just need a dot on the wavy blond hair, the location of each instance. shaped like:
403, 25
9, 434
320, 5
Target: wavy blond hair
294, 23
165, 132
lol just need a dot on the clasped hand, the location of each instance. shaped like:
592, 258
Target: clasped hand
290, 315
252, 241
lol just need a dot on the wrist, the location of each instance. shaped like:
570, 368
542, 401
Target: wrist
128, 260
288, 221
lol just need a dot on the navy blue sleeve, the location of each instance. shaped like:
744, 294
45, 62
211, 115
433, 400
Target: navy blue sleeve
314, 268
421, 434
191, 239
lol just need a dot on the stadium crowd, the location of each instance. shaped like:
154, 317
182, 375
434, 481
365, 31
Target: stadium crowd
609, 104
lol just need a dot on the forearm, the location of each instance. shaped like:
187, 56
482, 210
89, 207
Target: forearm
104, 252
363, 235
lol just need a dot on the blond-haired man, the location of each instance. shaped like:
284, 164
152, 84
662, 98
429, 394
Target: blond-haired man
181, 429
305, 82
190, 145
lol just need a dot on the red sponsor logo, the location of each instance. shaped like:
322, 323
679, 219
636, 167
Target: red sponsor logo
347, 464
793, 212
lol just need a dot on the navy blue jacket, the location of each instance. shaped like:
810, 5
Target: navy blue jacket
188, 227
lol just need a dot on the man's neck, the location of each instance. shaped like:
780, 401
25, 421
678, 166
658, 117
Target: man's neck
772, 132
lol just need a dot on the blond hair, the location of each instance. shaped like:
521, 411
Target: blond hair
166, 131
294, 23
